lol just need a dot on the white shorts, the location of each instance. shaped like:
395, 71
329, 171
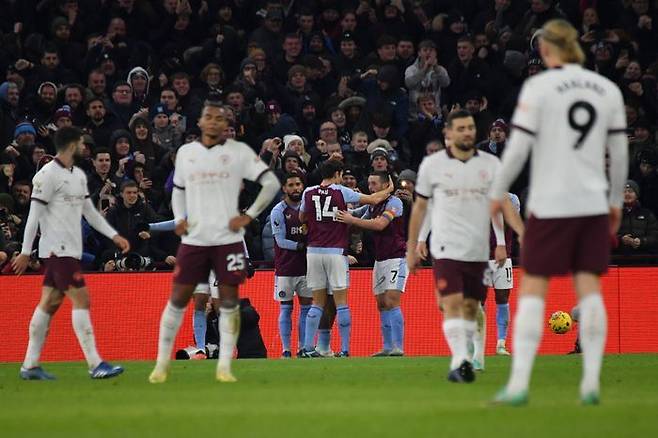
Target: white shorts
327, 271
499, 278
389, 274
208, 288
285, 288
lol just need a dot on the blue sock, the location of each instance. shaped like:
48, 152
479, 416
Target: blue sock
385, 317
324, 340
312, 323
301, 327
199, 324
397, 324
502, 320
344, 326
285, 324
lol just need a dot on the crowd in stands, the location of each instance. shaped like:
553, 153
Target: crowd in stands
367, 82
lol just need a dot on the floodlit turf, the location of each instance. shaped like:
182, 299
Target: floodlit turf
400, 397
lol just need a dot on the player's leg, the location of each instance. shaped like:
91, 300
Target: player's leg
313, 318
199, 321
379, 289
592, 327
51, 300
229, 330
479, 337
528, 325
503, 284
392, 305
338, 276
305, 297
323, 345
284, 294
85, 334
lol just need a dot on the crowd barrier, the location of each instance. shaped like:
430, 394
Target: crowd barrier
126, 311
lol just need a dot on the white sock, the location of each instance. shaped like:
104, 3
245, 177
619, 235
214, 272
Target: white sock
38, 331
85, 334
453, 330
229, 330
593, 326
480, 336
528, 325
470, 327
170, 322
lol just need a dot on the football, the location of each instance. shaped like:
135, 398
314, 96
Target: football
560, 322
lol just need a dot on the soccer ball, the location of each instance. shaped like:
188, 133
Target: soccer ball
560, 322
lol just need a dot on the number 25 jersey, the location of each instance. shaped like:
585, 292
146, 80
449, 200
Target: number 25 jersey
571, 112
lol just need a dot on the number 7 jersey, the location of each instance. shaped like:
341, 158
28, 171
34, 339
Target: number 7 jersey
572, 114
320, 204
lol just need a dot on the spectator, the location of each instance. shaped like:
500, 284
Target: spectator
268, 36
292, 49
638, 233
101, 124
647, 178
139, 82
467, 73
101, 183
427, 126
74, 97
165, 135
425, 76
477, 105
9, 111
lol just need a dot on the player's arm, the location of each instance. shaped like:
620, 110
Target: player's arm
393, 209
178, 201
524, 130
500, 252
418, 212
270, 186
424, 192
37, 210
512, 217
98, 222
278, 223
377, 197
163, 226
302, 208
617, 146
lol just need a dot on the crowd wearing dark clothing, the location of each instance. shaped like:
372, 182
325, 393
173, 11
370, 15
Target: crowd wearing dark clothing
368, 82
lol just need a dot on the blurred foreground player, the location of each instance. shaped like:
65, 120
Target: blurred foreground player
207, 184
59, 200
568, 117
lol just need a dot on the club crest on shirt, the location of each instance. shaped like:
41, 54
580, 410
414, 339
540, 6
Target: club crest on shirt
225, 159
484, 175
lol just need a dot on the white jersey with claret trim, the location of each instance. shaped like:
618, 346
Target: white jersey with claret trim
571, 114
212, 181
460, 220
63, 191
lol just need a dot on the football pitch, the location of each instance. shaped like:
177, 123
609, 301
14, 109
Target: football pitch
377, 397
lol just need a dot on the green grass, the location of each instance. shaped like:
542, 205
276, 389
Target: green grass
401, 397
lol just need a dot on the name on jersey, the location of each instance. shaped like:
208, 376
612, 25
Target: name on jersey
578, 84
473, 192
323, 191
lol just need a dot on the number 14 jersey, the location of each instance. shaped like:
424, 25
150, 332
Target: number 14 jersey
320, 204
571, 113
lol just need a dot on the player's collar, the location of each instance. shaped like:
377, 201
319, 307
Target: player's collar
452, 157
58, 161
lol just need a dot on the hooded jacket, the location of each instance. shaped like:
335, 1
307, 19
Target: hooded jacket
142, 101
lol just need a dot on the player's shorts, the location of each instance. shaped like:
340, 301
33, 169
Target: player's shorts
559, 246
285, 288
453, 276
193, 264
327, 271
389, 274
211, 288
63, 273
499, 277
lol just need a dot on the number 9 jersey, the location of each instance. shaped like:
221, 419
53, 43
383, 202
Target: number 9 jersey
568, 117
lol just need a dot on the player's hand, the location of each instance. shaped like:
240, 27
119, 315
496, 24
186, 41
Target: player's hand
500, 255
496, 208
20, 263
181, 228
412, 258
351, 260
421, 250
121, 243
344, 217
391, 187
615, 220
238, 222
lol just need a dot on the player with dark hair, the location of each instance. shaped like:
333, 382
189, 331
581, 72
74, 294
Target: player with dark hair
570, 118
326, 254
207, 184
59, 200
290, 261
389, 275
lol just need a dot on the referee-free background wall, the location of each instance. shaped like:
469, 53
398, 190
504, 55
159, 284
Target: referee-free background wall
126, 312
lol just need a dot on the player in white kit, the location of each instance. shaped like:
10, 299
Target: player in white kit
59, 200
207, 184
569, 118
